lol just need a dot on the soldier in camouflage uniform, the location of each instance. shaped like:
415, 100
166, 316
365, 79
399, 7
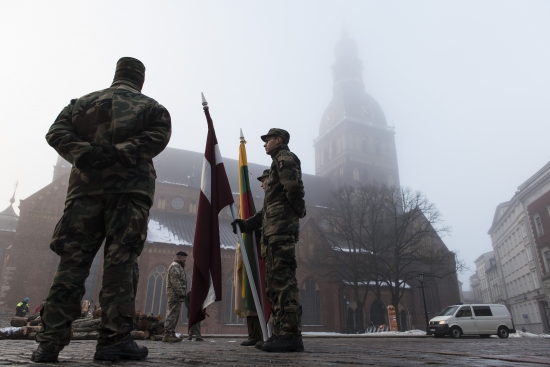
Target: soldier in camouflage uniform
110, 137
176, 290
279, 218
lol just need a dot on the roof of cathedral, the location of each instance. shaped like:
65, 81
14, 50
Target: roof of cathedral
177, 166
8, 219
179, 229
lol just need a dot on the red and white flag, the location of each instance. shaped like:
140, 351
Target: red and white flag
214, 196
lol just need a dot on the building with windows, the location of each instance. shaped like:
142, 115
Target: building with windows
513, 235
359, 148
482, 264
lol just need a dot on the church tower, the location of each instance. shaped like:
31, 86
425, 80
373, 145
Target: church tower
355, 145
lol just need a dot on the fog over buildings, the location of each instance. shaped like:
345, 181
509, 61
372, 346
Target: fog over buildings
464, 83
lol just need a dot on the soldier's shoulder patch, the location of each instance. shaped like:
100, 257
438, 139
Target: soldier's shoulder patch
281, 164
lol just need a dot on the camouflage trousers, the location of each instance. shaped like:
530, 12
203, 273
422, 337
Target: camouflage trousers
282, 287
173, 312
120, 220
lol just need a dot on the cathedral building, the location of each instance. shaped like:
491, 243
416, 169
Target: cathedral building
354, 145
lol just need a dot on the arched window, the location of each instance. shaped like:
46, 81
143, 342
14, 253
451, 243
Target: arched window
156, 292
230, 315
311, 303
403, 318
356, 174
378, 313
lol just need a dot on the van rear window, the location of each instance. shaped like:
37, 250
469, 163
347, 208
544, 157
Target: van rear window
482, 311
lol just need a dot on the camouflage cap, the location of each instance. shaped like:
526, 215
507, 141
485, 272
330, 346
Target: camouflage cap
129, 63
277, 132
264, 175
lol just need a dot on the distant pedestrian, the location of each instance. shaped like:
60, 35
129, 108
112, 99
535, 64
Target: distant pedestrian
22, 308
176, 289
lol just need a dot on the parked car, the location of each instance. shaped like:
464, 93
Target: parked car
479, 319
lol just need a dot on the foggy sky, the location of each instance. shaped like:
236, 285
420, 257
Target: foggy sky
465, 83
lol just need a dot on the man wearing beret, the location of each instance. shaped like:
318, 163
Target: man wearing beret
176, 290
110, 137
279, 218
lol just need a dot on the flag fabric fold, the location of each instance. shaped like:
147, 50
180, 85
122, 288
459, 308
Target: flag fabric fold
244, 300
214, 196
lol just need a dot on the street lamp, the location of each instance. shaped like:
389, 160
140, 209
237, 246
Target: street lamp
420, 278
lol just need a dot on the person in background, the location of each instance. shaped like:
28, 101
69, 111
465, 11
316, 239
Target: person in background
176, 289
22, 308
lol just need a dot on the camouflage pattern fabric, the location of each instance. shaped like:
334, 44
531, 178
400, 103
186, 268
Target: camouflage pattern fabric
172, 316
120, 116
120, 220
282, 288
176, 288
284, 201
176, 284
279, 217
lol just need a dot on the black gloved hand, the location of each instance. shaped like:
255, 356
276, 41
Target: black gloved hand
102, 156
240, 223
181, 298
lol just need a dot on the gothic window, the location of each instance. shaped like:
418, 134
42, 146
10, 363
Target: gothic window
356, 174
230, 316
378, 313
311, 303
156, 292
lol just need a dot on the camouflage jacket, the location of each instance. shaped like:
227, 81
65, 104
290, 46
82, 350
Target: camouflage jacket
284, 201
136, 125
176, 284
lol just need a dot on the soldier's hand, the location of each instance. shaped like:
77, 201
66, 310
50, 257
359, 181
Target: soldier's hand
181, 298
240, 223
102, 155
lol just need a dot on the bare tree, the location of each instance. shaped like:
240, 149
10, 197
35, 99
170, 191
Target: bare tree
380, 236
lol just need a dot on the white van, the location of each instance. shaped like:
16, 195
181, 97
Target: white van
482, 320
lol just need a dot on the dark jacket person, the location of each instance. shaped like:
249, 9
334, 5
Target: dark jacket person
110, 137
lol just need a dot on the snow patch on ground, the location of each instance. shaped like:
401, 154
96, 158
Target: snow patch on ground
409, 332
156, 232
521, 334
7, 331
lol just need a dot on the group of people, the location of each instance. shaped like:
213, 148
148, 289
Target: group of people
111, 137
22, 307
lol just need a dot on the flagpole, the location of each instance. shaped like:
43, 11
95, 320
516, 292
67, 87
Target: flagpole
254, 290
248, 268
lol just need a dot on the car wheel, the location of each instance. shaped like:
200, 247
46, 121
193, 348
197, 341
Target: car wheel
503, 332
439, 335
455, 332
485, 335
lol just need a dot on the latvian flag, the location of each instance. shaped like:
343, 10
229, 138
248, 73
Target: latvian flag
215, 195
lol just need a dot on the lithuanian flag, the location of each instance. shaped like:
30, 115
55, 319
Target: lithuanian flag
244, 301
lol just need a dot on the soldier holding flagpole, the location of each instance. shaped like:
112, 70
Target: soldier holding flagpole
279, 218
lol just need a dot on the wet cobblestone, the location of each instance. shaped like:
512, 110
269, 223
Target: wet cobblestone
336, 351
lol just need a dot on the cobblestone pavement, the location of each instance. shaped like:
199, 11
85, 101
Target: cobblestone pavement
334, 351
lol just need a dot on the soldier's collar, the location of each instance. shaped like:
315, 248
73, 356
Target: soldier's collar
280, 148
126, 84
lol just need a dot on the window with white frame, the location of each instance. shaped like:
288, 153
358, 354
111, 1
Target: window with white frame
538, 225
546, 259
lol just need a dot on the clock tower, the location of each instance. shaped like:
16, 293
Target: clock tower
355, 145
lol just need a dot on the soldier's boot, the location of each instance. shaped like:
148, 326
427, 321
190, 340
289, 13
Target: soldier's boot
199, 339
284, 343
171, 339
190, 338
44, 355
249, 342
261, 343
125, 350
